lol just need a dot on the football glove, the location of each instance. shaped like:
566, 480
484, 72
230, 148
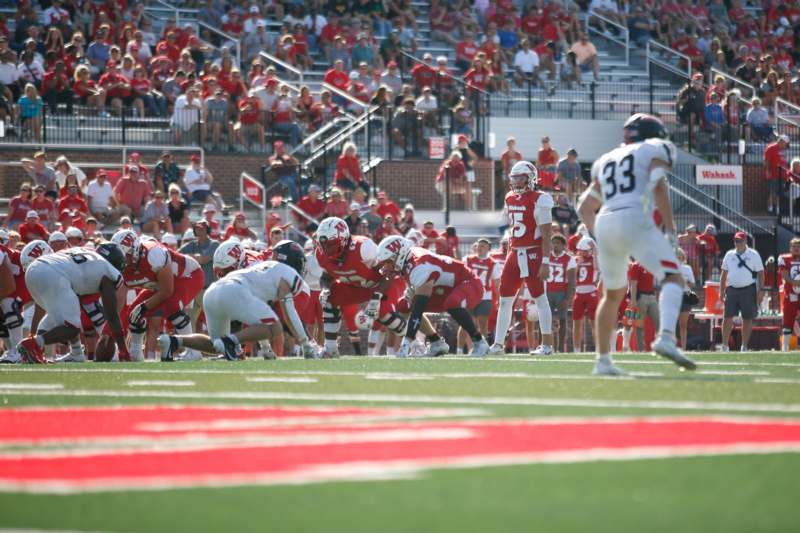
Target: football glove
137, 315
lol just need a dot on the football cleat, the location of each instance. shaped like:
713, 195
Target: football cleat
480, 348
190, 355
437, 348
405, 348
497, 349
265, 350
31, 352
230, 350
311, 351
606, 367
330, 353
665, 347
11, 358
168, 345
543, 349
72, 358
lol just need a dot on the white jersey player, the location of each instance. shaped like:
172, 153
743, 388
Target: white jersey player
58, 281
248, 296
627, 184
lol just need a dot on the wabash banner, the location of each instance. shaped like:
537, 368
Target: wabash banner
252, 190
718, 174
66, 450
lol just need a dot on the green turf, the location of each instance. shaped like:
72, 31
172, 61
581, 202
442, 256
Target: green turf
705, 494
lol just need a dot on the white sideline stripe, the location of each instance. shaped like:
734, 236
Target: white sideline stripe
391, 470
786, 381
457, 400
733, 372
279, 379
31, 386
399, 377
159, 383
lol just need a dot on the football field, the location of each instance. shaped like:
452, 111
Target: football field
381, 444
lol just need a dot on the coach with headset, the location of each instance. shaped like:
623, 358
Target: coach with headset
741, 287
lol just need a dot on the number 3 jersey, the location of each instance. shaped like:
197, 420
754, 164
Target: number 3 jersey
84, 269
526, 212
624, 175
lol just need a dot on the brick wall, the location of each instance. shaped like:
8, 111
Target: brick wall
411, 181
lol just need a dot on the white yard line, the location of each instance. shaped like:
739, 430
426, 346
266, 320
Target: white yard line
424, 399
733, 372
31, 386
160, 383
782, 381
279, 379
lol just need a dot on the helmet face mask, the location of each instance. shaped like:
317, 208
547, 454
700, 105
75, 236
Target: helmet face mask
523, 176
333, 237
227, 258
392, 257
130, 244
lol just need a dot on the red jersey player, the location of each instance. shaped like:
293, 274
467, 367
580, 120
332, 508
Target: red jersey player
789, 268
350, 279
499, 257
584, 304
169, 282
482, 265
560, 287
530, 216
643, 303
438, 284
14, 298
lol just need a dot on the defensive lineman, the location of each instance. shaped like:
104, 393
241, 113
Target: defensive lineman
627, 183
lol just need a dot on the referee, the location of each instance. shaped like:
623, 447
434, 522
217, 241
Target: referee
741, 287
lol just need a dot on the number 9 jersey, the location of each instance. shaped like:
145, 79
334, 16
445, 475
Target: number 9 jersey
624, 174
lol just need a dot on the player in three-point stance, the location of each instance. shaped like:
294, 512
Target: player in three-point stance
530, 216
627, 183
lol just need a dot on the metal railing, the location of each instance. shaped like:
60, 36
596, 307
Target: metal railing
124, 149
282, 64
668, 58
622, 40
732, 82
229, 40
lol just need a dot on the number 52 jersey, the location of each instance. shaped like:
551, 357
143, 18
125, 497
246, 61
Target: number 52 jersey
624, 175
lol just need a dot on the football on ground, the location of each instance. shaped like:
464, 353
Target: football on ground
105, 349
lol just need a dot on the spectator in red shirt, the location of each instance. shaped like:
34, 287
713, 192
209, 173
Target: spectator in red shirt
329, 33
312, 205
386, 206
423, 73
44, 206
208, 217
250, 122
337, 76
465, 52
546, 161
56, 89
451, 243
72, 208
31, 229
774, 169
86, 90
239, 228
116, 86
323, 111
510, 155
284, 120
132, 193
348, 170
19, 206
710, 248
478, 76
336, 206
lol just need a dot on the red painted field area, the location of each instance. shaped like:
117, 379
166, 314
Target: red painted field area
91, 449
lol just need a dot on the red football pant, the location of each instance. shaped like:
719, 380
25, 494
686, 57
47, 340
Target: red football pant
466, 294
584, 305
312, 314
790, 310
510, 279
185, 290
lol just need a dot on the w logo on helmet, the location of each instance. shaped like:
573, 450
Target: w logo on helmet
36, 252
128, 241
394, 246
235, 252
341, 227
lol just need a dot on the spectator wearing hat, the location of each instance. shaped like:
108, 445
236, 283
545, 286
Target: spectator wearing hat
198, 180
256, 41
135, 158
99, 50
348, 170
72, 208
710, 249
741, 288
286, 169
19, 206
101, 201
690, 243
64, 167
407, 128
57, 241
277, 234
32, 229
41, 173
250, 127
125, 222
201, 248
336, 206
215, 118
284, 118
391, 77
239, 228
44, 206
353, 218
90, 229
774, 171
428, 106
132, 193
116, 87
166, 172
155, 217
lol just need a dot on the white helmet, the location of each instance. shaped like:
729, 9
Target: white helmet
393, 253
585, 245
129, 242
260, 246
169, 238
32, 251
332, 236
188, 235
57, 236
415, 236
363, 322
3, 236
308, 246
228, 256
248, 244
523, 176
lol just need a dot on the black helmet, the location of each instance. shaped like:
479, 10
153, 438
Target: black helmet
642, 126
290, 253
112, 253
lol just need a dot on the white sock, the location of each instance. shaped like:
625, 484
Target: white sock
390, 351
375, 341
504, 310
604, 358
151, 355
185, 330
137, 345
331, 345
76, 348
626, 339
669, 307
545, 314
787, 336
14, 338
39, 340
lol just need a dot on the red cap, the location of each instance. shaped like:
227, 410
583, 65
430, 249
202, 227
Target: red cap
195, 157
239, 214
272, 82
391, 64
740, 236
111, 63
135, 156
462, 139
